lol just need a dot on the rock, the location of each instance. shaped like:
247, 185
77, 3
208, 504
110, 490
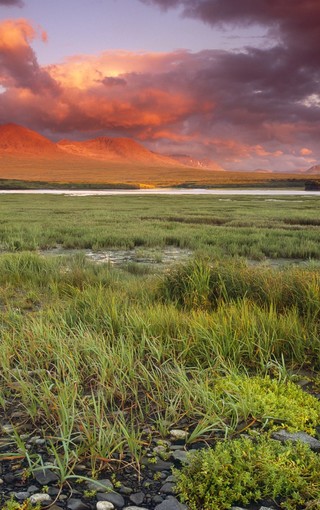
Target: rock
283, 435
171, 478
32, 489
134, 508
125, 490
236, 508
21, 496
112, 497
104, 505
181, 456
137, 498
1, 481
100, 485
158, 465
168, 488
178, 434
77, 504
45, 476
171, 503
40, 498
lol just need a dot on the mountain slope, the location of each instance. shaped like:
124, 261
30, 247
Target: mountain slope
18, 140
115, 149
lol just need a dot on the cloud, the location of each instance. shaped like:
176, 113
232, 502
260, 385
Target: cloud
18, 63
246, 109
14, 3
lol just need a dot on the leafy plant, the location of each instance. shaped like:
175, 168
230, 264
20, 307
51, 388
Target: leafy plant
244, 471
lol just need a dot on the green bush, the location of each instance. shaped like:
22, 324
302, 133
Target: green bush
243, 471
275, 404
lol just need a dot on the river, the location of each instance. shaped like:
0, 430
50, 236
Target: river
166, 191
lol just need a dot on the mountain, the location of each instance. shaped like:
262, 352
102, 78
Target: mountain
18, 140
314, 170
201, 164
114, 149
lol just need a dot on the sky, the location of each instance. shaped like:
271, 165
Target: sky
236, 82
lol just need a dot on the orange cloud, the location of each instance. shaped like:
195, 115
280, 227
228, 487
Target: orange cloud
305, 152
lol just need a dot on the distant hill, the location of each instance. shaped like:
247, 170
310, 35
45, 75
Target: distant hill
18, 140
115, 149
191, 162
314, 170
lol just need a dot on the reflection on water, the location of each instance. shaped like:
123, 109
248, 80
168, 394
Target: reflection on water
165, 256
166, 191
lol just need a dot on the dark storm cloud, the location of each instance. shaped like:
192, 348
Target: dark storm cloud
9, 3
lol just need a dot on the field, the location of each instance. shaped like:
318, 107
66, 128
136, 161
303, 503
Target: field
100, 363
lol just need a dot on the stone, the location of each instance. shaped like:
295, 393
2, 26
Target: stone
100, 485
178, 434
134, 508
40, 498
168, 488
104, 505
283, 435
32, 489
45, 476
158, 465
171, 503
21, 496
181, 456
77, 504
137, 498
113, 497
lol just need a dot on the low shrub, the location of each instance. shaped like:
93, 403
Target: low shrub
244, 471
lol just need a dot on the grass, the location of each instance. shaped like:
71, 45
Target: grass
92, 355
252, 227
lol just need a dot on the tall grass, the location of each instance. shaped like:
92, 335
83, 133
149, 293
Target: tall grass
96, 353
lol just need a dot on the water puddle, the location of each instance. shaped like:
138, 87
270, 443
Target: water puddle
284, 262
165, 256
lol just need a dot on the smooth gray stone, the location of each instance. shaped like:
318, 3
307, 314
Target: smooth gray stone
283, 435
168, 488
134, 508
77, 504
159, 465
100, 485
171, 503
21, 496
112, 497
45, 476
137, 498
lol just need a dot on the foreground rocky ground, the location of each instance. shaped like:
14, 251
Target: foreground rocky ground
148, 486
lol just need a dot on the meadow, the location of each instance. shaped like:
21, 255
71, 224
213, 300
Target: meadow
102, 362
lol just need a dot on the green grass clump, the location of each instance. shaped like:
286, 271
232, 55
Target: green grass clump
243, 471
201, 284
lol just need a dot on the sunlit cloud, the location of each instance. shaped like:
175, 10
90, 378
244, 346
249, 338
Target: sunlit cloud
254, 107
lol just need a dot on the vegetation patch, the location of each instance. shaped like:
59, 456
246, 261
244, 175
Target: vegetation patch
244, 471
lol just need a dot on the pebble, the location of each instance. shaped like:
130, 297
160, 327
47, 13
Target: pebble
104, 505
134, 508
77, 504
1, 481
39, 498
21, 496
168, 488
137, 498
171, 503
159, 465
283, 435
104, 485
32, 489
181, 456
45, 476
178, 434
113, 497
